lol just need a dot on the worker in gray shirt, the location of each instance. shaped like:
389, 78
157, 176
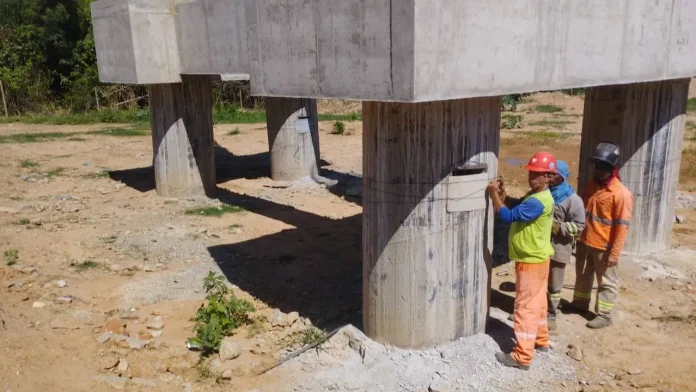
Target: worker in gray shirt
568, 223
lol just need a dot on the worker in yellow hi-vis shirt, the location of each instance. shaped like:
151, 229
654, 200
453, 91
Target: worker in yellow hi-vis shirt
530, 247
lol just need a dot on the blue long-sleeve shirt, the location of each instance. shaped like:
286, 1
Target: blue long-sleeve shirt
526, 211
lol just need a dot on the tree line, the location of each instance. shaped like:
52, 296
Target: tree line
48, 62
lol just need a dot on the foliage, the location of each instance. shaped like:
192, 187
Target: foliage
548, 108
27, 164
691, 105
338, 128
511, 101
214, 211
313, 335
510, 121
222, 314
11, 256
85, 265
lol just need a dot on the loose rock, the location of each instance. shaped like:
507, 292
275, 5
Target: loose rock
229, 350
35, 222
108, 362
61, 283
116, 382
115, 326
136, 344
575, 352
66, 299
439, 386
122, 365
156, 323
103, 338
634, 372
227, 374
38, 304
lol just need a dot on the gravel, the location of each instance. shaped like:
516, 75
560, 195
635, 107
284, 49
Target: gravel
349, 361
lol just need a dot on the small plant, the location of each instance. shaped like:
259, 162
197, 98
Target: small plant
548, 109
27, 164
23, 221
214, 211
205, 371
255, 328
234, 132
355, 116
222, 314
511, 101
313, 335
235, 226
574, 91
510, 121
11, 256
338, 128
85, 265
98, 174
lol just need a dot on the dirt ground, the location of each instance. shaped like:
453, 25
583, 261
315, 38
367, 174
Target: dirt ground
81, 208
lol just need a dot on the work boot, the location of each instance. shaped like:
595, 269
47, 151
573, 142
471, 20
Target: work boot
543, 349
509, 361
551, 322
599, 322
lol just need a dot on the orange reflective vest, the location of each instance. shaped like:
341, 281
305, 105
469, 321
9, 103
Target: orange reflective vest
607, 216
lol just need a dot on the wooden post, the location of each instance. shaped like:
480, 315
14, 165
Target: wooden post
426, 261
181, 117
4, 103
646, 120
96, 99
293, 137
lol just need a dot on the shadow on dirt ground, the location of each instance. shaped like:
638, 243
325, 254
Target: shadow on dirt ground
314, 269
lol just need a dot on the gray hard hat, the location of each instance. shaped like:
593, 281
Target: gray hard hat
607, 153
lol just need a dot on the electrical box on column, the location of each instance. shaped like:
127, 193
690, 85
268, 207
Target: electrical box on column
466, 187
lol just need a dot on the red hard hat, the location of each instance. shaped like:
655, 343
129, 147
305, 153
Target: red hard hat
542, 162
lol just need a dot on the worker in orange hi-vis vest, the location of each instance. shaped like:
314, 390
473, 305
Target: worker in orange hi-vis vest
608, 205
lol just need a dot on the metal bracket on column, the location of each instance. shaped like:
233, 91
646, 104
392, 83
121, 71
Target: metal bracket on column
466, 187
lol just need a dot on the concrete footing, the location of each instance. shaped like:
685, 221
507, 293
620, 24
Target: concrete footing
427, 224
293, 137
646, 120
181, 117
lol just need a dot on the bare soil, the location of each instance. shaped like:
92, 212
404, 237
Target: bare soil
295, 247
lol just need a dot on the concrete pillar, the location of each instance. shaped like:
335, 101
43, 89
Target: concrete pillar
181, 117
646, 120
427, 224
293, 137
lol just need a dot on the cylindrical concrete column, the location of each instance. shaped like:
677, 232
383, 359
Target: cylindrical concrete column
181, 117
646, 120
293, 137
427, 223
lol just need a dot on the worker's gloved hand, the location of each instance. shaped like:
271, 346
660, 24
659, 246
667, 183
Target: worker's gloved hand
556, 228
493, 187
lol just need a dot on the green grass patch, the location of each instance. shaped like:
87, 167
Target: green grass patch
11, 256
99, 174
550, 123
140, 118
33, 137
234, 132
121, 132
85, 265
55, 172
691, 105
235, 226
23, 221
548, 109
313, 335
510, 121
214, 211
545, 134
27, 164
567, 115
